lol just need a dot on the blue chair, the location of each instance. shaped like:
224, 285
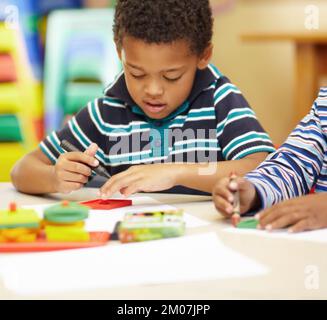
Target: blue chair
80, 61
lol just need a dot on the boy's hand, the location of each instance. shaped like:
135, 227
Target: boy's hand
223, 196
300, 214
72, 169
147, 178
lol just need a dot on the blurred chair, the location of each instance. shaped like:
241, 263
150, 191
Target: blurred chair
85, 75
80, 61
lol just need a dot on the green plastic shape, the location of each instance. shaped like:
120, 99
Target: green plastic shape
248, 224
66, 213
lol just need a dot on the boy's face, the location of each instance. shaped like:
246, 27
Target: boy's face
160, 77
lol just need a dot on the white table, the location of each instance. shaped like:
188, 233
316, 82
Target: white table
287, 260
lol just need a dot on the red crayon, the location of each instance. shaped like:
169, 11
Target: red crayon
236, 217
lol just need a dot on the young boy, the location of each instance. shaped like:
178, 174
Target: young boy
298, 167
165, 118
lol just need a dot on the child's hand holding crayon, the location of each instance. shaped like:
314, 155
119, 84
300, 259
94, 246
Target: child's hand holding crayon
298, 214
72, 169
228, 189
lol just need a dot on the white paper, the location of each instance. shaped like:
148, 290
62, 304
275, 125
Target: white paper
311, 236
189, 258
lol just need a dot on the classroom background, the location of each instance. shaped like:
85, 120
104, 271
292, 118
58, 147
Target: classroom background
56, 55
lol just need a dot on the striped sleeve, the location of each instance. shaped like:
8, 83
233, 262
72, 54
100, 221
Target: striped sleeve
295, 167
239, 133
80, 131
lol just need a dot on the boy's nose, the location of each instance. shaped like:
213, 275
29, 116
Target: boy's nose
154, 89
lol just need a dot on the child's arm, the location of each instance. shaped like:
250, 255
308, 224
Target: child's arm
290, 172
198, 176
297, 165
158, 177
35, 174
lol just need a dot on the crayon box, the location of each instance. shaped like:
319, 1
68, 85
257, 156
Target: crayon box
144, 226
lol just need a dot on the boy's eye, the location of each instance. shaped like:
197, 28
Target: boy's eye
172, 79
137, 76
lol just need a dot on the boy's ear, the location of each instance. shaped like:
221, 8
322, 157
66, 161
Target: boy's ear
205, 57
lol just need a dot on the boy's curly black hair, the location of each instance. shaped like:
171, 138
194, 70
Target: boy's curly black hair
165, 21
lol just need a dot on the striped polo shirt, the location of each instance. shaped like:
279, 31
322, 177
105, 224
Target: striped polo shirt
300, 164
214, 124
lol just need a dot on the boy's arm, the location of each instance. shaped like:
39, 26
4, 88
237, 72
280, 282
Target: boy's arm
50, 169
158, 177
204, 176
34, 173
